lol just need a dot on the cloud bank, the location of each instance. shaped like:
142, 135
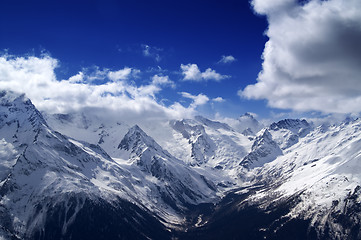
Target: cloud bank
312, 60
118, 93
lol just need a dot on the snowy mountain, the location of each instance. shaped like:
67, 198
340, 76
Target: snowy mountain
246, 124
84, 176
311, 191
201, 146
288, 131
177, 184
45, 173
212, 148
89, 127
211, 143
264, 150
323, 167
268, 143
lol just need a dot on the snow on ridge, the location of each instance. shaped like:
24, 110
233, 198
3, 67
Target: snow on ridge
323, 168
48, 165
287, 132
319, 164
264, 150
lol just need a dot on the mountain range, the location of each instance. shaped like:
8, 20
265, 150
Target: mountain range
86, 176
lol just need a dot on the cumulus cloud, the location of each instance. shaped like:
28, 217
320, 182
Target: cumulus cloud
312, 60
78, 78
35, 77
198, 100
272, 6
191, 72
227, 59
218, 99
159, 80
32, 72
122, 74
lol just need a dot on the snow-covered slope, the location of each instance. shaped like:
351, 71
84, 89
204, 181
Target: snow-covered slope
42, 169
312, 190
193, 174
324, 171
264, 150
201, 146
271, 141
321, 159
91, 128
178, 184
288, 131
211, 148
211, 143
169, 179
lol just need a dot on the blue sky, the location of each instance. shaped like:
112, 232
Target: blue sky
157, 38
113, 34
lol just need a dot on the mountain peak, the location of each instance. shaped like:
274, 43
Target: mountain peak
247, 114
18, 109
287, 132
212, 124
264, 149
136, 140
136, 128
290, 124
10, 96
247, 124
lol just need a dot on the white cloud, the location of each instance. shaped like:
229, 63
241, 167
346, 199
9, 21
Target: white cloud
162, 81
77, 78
152, 52
312, 60
191, 72
198, 100
94, 73
272, 6
210, 74
218, 99
35, 77
122, 74
227, 59
32, 72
